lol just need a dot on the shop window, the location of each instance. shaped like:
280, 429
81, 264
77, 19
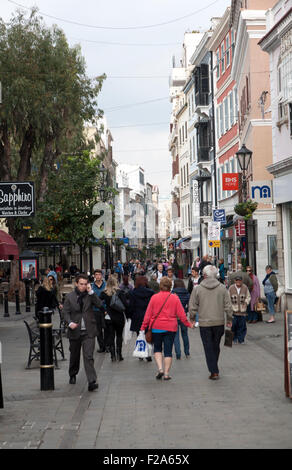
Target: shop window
272, 252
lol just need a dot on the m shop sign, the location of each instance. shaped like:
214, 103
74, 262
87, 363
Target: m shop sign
230, 181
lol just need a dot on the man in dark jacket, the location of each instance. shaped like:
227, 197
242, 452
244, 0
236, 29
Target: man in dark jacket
78, 313
180, 290
98, 286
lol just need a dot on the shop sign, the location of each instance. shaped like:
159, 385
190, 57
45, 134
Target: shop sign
240, 228
214, 243
214, 231
219, 216
261, 191
230, 181
17, 199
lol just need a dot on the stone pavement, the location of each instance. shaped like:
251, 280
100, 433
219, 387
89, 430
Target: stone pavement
246, 408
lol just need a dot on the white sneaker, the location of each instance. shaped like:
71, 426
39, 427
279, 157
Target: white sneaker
196, 324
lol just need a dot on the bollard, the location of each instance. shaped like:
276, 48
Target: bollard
6, 307
46, 349
17, 305
27, 301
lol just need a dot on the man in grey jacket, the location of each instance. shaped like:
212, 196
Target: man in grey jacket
82, 329
212, 301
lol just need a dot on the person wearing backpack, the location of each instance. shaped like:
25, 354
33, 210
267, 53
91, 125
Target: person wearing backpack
115, 301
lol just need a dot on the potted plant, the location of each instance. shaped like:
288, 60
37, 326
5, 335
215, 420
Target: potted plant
246, 209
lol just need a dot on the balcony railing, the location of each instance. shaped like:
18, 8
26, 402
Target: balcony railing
205, 209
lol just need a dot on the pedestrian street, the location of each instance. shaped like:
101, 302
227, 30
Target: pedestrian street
246, 408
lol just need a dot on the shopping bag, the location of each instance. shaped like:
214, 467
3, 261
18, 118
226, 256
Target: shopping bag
141, 348
127, 333
149, 349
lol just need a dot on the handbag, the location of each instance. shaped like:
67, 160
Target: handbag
117, 304
228, 338
148, 335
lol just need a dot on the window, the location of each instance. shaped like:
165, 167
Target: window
231, 109
217, 64
181, 178
184, 175
221, 119
194, 148
227, 51
219, 186
235, 104
217, 123
187, 174
222, 58
272, 251
186, 129
226, 114
141, 177
180, 136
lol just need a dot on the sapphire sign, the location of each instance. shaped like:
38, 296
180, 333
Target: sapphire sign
17, 199
219, 216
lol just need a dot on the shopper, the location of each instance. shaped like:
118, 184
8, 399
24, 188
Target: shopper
161, 317
240, 298
153, 284
78, 313
47, 295
98, 287
270, 288
183, 295
115, 318
255, 293
138, 302
212, 302
193, 282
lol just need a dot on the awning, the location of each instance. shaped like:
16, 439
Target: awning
8, 247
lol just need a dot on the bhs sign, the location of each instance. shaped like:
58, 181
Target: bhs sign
261, 191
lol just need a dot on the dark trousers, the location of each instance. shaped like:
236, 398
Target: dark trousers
114, 334
87, 345
211, 337
239, 328
100, 325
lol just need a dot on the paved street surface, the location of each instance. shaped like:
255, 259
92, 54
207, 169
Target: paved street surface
246, 408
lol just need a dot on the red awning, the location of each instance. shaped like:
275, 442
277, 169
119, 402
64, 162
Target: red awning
8, 246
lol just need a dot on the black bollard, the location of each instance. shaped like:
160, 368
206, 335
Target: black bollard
27, 301
6, 307
46, 349
17, 305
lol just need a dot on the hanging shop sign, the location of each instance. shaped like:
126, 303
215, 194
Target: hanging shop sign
240, 228
230, 181
17, 199
261, 191
219, 216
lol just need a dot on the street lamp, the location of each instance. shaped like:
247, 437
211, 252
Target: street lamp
244, 157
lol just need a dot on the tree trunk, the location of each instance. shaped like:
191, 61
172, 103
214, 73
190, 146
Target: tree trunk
48, 161
5, 157
20, 237
24, 169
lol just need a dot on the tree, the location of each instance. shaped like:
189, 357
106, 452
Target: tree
73, 190
46, 98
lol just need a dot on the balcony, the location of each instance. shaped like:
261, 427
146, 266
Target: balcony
206, 209
201, 99
203, 154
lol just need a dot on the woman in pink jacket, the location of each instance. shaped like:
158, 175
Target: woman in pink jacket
161, 316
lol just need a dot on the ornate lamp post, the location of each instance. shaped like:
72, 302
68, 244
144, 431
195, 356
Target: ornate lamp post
244, 157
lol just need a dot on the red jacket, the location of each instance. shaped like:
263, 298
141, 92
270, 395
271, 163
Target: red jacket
167, 319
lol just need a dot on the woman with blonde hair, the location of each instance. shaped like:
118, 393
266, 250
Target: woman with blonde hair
47, 295
115, 301
161, 317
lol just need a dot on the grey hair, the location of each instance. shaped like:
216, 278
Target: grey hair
210, 271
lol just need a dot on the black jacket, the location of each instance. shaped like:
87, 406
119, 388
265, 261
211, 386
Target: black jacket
183, 295
139, 300
116, 317
46, 298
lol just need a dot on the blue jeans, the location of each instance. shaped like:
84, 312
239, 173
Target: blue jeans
184, 334
211, 337
271, 297
239, 328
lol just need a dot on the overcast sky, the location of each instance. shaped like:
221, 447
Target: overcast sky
145, 139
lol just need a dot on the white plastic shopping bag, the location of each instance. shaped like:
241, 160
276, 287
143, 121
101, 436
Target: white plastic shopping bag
141, 347
127, 333
150, 349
